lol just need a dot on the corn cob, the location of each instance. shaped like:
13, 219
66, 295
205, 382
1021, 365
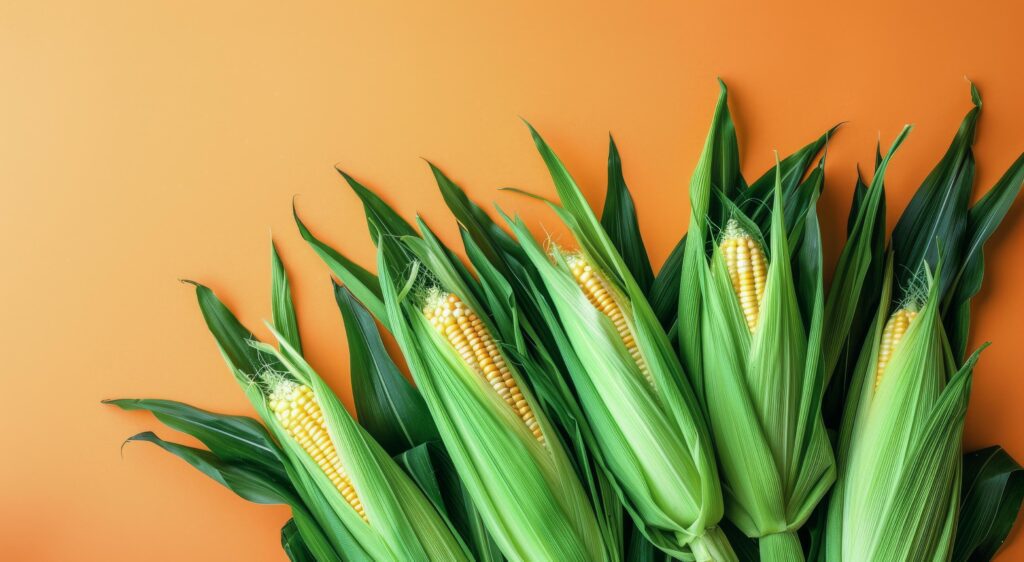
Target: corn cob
597, 290
468, 335
748, 269
296, 408
893, 332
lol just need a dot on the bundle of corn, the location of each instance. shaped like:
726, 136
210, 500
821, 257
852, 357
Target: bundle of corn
553, 400
505, 449
754, 355
648, 427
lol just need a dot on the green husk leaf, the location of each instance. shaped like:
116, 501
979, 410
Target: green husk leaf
982, 220
404, 522
293, 544
236, 344
250, 484
430, 467
235, 439
993, 487
363, 284
620, 221
282, 305
938, 210
387, 404
546, 515
854, 264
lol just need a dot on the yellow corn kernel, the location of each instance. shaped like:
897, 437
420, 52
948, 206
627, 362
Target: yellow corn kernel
468, 335
296, 408
748, 270
598, 292
893, 332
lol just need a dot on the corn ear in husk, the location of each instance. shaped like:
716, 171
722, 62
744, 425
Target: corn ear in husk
513, 465
397, 520
898, 494
648, 426
755, 352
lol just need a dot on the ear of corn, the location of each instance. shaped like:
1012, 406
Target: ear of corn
898, 492
755, 352
375, 513
892, 335
298, 411
488, 420
647, 423
748, 269
602, 296
385, 511
471, 339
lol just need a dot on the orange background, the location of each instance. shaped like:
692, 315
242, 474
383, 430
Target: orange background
141, 142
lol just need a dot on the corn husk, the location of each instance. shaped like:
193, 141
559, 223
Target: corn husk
402, 522
899, 489
761, 388
652, 441
526, 491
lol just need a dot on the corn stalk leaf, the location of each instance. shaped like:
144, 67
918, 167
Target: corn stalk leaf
499, 248
855, 263
387, 404
282, 305
432, 470
250, 484
236, 439
937, 214
380, 217
363, 284
293, 544
993, 487
620, 221
982, 220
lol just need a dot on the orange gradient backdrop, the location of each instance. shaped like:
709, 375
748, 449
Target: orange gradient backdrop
143, 142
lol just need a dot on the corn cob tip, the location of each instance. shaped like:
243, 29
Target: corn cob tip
748, 269
471, 339
298, 412
893, 332
598, 291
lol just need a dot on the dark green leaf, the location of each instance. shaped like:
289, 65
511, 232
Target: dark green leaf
293, 545
982, 221
937, 214
746, 548
755, 200
620, 221
855, 261
363, 284
429, 466
993, 487
665, 288
231, 335
387, 404
494, 242
232, 438
241, 478
381, 218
